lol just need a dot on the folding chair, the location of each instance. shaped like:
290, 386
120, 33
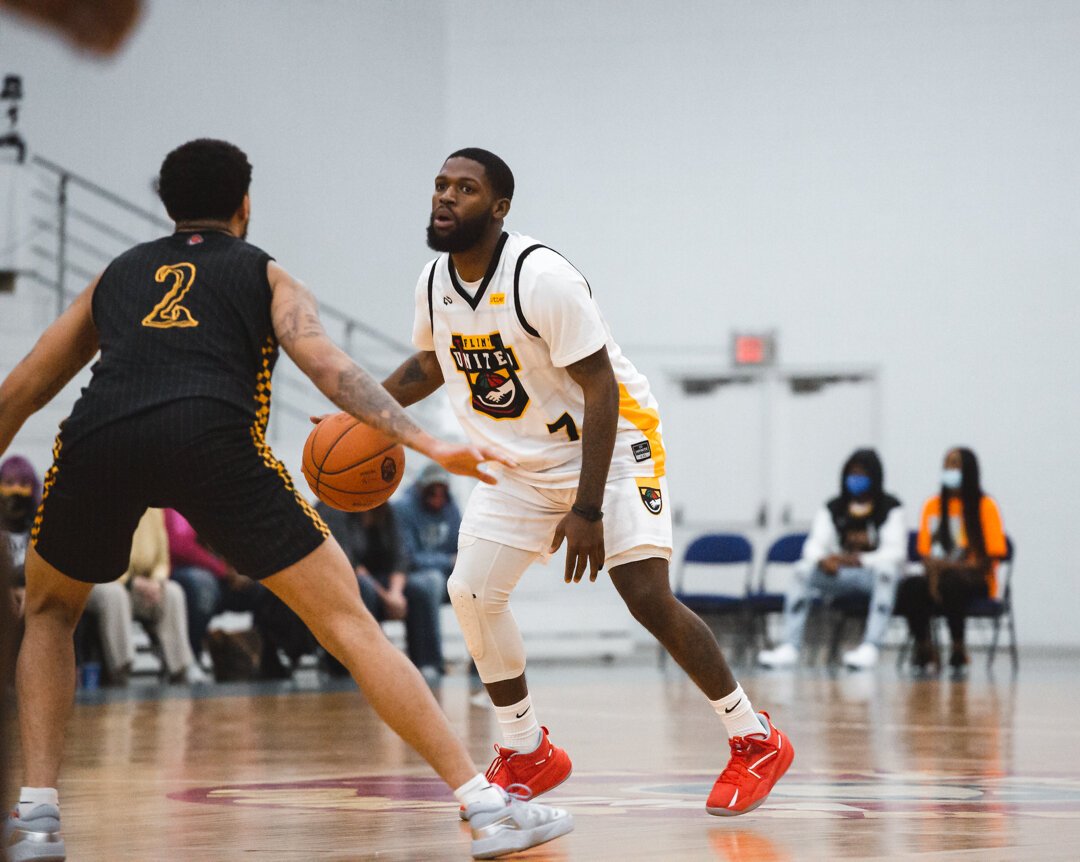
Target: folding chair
998, 610
784, 551
995, 609
717, 551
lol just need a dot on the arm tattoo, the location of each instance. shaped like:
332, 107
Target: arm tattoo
415, 379
297, 321
413, 372
359, 394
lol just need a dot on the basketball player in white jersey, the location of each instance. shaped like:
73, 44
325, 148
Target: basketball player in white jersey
513, 331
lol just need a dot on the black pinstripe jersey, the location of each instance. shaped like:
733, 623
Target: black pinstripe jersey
184, 316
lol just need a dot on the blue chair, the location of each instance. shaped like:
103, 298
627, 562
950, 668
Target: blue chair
722, 551
999, 610
784, 551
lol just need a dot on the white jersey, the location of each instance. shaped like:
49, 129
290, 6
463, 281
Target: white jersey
503, 349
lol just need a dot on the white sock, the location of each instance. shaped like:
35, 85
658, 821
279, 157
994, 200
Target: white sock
31, 797
519, 726
738, 715
478, 789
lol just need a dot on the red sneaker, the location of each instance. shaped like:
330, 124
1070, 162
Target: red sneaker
539, 771
756, 765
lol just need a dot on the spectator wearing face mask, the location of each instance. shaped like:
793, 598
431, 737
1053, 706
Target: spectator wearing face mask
108, 605
20, 494
857, 545
961, 540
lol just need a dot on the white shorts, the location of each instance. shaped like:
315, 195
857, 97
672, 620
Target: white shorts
637, 517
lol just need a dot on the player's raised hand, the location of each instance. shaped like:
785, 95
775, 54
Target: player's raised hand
466, 460
584, 546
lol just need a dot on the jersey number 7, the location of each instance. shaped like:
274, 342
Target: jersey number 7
565, 421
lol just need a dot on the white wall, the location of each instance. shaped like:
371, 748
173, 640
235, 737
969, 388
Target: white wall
889, 183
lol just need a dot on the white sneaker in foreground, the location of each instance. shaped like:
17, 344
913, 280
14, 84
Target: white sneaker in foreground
784, 655
863, 657
34, 838
514, 826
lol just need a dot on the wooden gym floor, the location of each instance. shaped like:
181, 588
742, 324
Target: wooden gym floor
886, 767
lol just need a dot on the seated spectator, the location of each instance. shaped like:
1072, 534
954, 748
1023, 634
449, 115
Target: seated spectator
108, 617
373, 544
157, 601
429, 520
12, 599
857, 545
211, 586
961, 540
20, 493
7, 650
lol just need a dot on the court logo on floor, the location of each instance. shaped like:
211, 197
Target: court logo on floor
840, 795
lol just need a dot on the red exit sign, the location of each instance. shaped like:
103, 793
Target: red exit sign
753, 348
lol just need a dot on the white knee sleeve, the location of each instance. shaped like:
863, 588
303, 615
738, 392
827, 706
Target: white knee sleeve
484, 576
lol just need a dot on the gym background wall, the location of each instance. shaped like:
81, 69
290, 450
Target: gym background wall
889, 183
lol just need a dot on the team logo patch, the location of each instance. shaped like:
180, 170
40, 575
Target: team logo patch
491, 369
642, 451
651, 497
388, 468
194, 239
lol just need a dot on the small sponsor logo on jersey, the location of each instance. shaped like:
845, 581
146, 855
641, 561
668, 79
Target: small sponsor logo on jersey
650, 496
446, 300
497, 299
642, 451
194, 239
491, 369
388, 468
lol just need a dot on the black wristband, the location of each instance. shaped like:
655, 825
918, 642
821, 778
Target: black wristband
591, 514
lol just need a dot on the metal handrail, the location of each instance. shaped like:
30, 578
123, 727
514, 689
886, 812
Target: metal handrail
66, 177
91, 186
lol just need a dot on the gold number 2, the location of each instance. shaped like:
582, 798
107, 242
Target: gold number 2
169, 313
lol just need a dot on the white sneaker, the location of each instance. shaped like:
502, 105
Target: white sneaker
34, 838
514, 825
197, 676
784, 655
863, 657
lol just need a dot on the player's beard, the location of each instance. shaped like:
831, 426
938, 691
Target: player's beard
463, 237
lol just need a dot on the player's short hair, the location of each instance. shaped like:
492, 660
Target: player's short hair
498, 172
204, 179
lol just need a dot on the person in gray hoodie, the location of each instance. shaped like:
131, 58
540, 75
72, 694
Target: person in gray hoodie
428, 518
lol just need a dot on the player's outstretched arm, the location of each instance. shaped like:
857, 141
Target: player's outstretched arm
62, 352
415, 379
295, 315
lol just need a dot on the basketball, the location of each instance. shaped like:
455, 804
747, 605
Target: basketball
351, 466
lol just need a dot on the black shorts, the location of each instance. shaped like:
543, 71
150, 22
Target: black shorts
201, 457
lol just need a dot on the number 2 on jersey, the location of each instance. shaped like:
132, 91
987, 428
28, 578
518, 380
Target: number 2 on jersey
565, 421
169, 313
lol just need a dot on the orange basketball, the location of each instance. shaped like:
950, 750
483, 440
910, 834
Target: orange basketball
350, 465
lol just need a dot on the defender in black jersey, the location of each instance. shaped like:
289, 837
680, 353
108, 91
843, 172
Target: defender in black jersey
175, 415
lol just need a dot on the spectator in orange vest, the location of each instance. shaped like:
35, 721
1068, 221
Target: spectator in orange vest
960, 541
